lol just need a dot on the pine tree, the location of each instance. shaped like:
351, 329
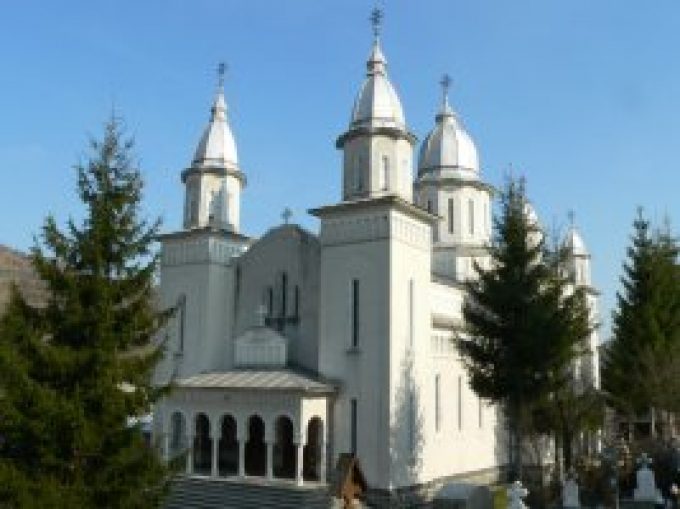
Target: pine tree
519, 331
74, 370
646, 321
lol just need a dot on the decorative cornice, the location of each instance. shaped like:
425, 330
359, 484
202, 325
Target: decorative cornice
220, 171
380, 202
428, 180
391, 132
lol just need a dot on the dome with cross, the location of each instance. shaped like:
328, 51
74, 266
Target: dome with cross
448, 150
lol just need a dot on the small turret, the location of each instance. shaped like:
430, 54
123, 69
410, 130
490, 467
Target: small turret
214, 181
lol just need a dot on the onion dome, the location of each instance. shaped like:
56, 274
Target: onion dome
573, 243
217, 146
448, 150
377, 104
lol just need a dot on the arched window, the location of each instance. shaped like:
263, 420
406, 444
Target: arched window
385, 173
181, 321
437, 402
471, 216
451, 217
357, 180
296, 303
284, 294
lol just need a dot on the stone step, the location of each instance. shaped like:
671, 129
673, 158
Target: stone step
205, 493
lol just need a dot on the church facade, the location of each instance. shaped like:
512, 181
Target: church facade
290, 349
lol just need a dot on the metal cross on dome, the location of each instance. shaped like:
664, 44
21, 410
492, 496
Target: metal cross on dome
572, 216
286, 215
445, 82
221, 71
376, 20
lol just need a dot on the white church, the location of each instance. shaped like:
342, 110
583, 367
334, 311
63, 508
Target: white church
290, 349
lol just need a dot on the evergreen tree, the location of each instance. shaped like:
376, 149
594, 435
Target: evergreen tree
72, 372
646, 322
519, 332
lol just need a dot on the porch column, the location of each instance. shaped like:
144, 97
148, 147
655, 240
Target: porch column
165, 446
214, 471
241, 457
269, 445
190, 454
299, 448
322, 460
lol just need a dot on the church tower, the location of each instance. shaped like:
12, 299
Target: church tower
577, 265
197, 270
374, 314
377, 147
449, 185
214, 181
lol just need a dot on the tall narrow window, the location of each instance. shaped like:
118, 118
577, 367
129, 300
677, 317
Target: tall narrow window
270, 301
481, 423
354, 310
182, 305
296, 304
385, 173
357, 183
411, 313
437, 402
451, 215
471, 216
460, 402
411, 423
429, 206
353, 426
284, 294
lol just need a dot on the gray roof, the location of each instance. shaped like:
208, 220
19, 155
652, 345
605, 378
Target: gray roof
263, 380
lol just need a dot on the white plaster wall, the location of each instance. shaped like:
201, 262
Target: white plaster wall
294, 251
197, 266
366, 153
356, 246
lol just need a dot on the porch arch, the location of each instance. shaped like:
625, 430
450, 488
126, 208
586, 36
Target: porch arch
228, 447
313, 450
285, 451
202, 445
256, 448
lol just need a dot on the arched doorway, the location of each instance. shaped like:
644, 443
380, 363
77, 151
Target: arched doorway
177, 441
285, 453
202, 446
256, 450
312, 457
228, 447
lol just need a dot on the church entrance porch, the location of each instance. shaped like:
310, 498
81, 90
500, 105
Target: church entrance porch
272, 426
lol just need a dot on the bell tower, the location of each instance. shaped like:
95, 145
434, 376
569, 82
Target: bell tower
377, 147
214, 181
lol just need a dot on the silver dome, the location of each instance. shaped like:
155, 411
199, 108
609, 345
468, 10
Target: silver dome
377, 104
448, 148
217, 146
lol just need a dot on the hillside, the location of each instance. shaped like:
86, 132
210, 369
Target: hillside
16, 267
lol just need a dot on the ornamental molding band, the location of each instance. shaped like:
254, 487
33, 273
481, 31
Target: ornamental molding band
368, 228
203, 250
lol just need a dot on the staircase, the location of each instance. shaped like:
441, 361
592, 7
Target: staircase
208, 493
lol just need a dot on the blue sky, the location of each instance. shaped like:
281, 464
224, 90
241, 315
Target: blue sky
581, 97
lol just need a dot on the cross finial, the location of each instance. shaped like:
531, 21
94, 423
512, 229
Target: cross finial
261, 314
221, 70
445, 82
572, 217
376, 20
286, 215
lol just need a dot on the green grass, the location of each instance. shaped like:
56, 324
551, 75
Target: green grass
500, 497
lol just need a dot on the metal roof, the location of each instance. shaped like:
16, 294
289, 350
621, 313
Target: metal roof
263, 380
